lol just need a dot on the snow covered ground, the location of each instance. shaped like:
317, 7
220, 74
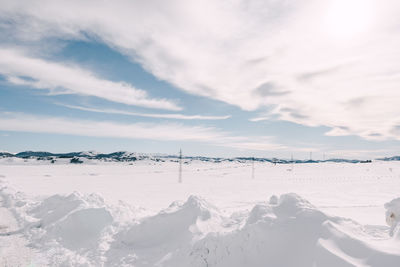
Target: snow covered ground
137, 214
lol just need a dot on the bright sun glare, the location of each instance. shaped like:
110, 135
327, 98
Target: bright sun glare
346, 19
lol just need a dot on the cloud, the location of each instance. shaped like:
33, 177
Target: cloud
359, 153
308, 76
21, 69
149, 115
268, 89
256, 144
20, 122
257, 119
316, 61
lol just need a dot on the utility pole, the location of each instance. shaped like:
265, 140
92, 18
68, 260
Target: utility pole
180, 166
310, 155
252, 169
291, 160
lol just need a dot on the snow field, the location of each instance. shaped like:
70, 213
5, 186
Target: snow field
250, 223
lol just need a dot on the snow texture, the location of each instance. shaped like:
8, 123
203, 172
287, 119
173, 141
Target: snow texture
283, 230
81, 230
393, 216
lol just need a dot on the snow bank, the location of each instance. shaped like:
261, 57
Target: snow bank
393, 217
82, 230
171, 230
70, 230
290, 233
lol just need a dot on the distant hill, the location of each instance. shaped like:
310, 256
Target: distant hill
6, 154
30, 154
133, 156
116, 156
390, 158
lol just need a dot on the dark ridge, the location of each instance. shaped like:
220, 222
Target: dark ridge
129, 156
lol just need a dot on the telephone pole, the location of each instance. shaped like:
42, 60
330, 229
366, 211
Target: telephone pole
252, 169
291, 161
180, 166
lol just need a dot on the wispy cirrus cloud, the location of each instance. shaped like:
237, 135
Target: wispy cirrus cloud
21, 69
307, 59
256, 143
175, 116
20, 122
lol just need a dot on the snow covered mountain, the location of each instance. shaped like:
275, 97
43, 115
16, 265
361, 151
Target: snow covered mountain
133, 156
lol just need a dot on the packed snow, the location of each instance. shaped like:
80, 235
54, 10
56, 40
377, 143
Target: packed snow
137, 214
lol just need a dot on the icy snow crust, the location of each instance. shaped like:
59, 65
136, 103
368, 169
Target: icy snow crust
82, 230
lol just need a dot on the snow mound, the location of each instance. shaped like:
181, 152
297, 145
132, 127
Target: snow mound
173, 225
393, 216
75, 226
290, 233
82, 230
70, 220
55, 208
172, 229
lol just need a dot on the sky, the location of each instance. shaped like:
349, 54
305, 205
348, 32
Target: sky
262, 78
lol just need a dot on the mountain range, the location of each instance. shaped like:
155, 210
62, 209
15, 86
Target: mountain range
133, 156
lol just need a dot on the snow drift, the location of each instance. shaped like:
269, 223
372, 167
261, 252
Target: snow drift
82, 230
393, 217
